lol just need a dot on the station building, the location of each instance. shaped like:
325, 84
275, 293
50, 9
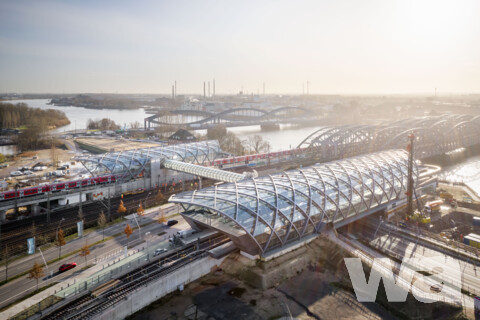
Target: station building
270, 212
143, 166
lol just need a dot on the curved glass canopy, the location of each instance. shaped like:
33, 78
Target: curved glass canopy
274, 210
132, 163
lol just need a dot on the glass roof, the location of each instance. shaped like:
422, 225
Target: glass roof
279, 208
206, 172
131, 163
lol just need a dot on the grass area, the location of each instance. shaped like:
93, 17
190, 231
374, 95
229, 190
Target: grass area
45, 303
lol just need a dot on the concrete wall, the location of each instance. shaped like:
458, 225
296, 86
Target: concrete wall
157, 289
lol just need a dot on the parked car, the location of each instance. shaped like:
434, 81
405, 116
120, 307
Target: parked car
159, 251
16, 173
67, 266
171, 222
27, 172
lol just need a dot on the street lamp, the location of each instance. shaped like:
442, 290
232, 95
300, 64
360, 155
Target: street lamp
147, 234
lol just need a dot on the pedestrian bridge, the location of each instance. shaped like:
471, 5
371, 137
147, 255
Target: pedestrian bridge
434, 135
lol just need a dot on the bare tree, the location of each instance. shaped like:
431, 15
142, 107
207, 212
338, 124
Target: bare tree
256, 144
36, 272
102, 222
84, 252
60, 241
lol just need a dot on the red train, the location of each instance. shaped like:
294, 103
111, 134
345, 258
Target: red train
27, 192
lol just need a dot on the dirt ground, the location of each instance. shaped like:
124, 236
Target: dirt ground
27, 160
310, 295
321, 291
114, 144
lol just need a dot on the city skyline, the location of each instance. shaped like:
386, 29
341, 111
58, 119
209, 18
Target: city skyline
346, 47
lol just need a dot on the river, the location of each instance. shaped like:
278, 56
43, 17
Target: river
467, 172
287, 137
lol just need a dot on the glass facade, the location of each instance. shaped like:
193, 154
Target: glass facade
206, 172
279, 208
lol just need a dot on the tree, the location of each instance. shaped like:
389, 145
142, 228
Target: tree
140, 210
128, 232
102, 222
121, 208
60, 241
135, 125
159, 198
228, 140
162, 218
2, 158
36, 272
255, 144
84, 252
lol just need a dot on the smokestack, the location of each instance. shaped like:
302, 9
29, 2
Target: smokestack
214, 87
173, 92
209, 88
203, 89
175, 88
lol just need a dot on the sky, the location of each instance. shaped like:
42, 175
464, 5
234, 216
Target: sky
339, 47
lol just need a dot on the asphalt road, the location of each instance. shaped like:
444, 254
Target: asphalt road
105, 251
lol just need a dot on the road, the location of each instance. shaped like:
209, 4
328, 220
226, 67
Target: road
104, 252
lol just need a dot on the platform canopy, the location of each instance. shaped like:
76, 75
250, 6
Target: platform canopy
270, 211
132, 163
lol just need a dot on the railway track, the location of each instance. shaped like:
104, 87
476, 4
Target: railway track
88, 307
14, 234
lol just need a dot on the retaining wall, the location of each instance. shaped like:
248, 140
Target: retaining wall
155, 290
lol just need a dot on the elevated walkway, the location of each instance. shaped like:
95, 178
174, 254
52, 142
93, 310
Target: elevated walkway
205, 172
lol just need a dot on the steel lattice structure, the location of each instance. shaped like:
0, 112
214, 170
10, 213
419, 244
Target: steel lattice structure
129, 164
235, 115
268, 212
434, 135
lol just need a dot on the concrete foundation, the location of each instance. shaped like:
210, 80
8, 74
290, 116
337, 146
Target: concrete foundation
159, 288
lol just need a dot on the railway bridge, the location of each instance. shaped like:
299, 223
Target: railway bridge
235, 117
434, 135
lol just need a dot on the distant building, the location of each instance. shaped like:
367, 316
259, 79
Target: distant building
181, 136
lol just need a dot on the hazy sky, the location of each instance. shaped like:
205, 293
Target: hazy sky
341, 46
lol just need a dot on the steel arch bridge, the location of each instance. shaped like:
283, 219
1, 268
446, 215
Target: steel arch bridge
434, 135
231, 117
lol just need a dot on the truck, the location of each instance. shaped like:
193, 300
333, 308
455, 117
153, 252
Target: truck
433, 206
476, 305
185, 233
472, 240
476, 221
